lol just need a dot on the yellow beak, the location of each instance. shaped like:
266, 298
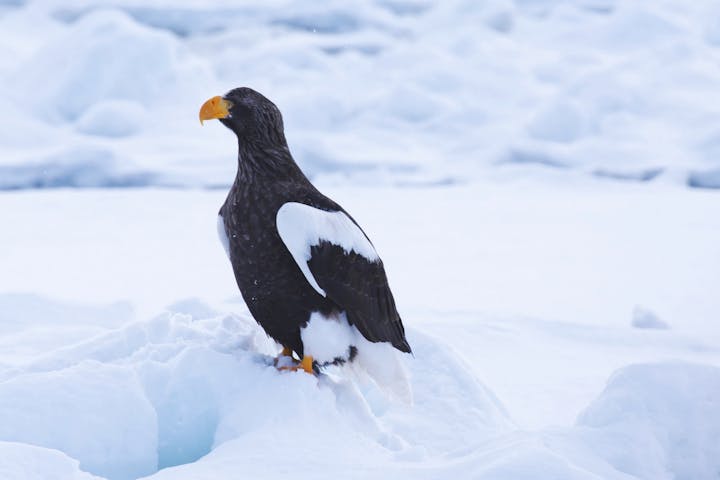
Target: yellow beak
216, 107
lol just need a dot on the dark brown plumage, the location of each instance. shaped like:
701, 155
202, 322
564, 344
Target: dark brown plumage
272, 284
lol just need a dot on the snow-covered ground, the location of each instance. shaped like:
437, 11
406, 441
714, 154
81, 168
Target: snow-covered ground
539, 177
527, 306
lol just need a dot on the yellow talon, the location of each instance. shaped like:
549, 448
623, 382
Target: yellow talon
307, 364
281, 360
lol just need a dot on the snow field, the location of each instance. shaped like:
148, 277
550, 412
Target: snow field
191, 394
568, 329
167, 391
402, 93
198, 397
585, 253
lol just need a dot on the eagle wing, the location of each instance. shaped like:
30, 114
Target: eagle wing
340, 263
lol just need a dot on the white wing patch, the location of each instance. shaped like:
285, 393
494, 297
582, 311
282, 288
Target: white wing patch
223, 235
301, 226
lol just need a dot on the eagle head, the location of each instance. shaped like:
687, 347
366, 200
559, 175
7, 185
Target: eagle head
248, 113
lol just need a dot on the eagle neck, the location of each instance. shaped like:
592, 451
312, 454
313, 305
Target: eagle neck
265, 162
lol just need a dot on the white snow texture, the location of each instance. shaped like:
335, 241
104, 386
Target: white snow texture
541, 178
443, 91
199, 391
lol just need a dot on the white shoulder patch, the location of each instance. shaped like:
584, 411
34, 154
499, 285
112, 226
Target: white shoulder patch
301, 226
223, 235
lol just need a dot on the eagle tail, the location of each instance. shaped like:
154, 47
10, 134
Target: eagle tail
381, 362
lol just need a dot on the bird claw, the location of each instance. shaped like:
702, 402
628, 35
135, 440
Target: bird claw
284, 359
306, 364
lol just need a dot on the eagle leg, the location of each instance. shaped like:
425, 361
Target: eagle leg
307, 364
285, 359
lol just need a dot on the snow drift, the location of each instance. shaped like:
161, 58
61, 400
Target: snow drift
658, 421
199, 398
168, 391
27, 462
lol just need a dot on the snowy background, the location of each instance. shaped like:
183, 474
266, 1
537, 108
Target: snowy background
540, 177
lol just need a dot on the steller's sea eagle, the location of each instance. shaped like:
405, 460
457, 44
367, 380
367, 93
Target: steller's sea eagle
308, 273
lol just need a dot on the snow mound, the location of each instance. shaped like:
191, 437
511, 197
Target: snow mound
114, 58
644, 318
175, 389
704, 178
32, 324
75, 411
112, 118
658, 421
380, 90
193, 393
27, 462
81, 167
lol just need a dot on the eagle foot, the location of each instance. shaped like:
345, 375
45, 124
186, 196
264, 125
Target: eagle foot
306, 365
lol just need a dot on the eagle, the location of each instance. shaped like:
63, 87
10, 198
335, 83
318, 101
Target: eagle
307, 271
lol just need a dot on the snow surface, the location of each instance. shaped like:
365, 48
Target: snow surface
20, 460
523, 166
658, 421
644, 318
393, 91
508, 381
